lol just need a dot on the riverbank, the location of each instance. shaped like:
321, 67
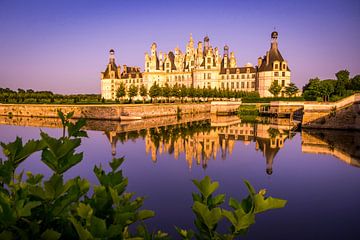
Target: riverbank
100, 111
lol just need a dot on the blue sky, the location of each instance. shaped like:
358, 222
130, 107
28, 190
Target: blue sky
63, 46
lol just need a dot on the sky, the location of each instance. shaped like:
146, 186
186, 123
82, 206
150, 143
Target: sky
62, 46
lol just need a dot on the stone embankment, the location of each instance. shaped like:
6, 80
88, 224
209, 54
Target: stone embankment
343, 114
106, 112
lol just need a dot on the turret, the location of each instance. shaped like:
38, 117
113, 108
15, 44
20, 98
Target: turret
206, 43
153, 49
274, 43
111, 56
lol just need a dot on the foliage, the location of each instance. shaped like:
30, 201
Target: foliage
291, 89
121, 91
248, 110
332, 89
133, 91
143, 91
275, 88
38, 208
209, 213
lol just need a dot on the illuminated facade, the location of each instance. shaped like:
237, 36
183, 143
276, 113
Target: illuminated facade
202, 66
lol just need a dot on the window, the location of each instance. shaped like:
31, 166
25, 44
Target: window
208, 67
253, 84
192, 63
253, 75
283, 74
276, 74
284, 66
276, 81
223, 77
247, 76
147, 64
204, 75
276, 66
222, 85
237, 76
232, 85
247, 85
175, 78
242, 76
237, 85
209, 75
283, 83
167, 65
209, 60
232, 76
242, 84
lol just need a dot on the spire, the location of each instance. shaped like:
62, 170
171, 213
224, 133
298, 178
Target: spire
111, 56
274, 36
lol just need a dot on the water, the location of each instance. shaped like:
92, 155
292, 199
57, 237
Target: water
318, 172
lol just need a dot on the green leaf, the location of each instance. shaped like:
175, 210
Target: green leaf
6, 171
69, 115
263, 204
34, 179
144, 214
50, 234
81, 231
205, 186
17, 153
60, 154
116, 163
186, 235
98, 227
239, 219
24, 209
84, 211
74, 130
209, 217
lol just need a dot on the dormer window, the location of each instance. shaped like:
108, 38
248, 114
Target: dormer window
284, 66
276, 66
248, 70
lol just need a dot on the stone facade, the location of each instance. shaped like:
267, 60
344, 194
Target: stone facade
202, 66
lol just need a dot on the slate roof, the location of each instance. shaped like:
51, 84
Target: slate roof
113, 68
274, 55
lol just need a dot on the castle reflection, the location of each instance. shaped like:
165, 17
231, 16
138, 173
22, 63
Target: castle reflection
202, 137
344, 145
201, 141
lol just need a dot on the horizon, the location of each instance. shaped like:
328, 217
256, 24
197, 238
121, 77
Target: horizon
51, 45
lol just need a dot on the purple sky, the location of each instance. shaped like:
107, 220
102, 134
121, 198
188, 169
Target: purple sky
63, 46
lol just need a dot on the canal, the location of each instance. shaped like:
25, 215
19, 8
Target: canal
318, 172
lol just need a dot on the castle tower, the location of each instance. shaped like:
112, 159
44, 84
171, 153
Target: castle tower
272, 68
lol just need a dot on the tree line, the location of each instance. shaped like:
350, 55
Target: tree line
332, 89
8, 95
179, 92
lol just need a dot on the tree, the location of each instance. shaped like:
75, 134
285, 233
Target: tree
275, 89
121, 91
327, 88
154, 91
291, 89
166, 91
143, 91
133, 91
355, 83
183, 92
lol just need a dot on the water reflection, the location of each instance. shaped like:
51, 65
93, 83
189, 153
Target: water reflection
202, 137
201, 141
344, 145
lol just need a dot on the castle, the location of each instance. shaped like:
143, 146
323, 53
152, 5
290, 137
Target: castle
202, 67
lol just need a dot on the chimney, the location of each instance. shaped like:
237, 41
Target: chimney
125, 69
119, 71
267, 58
259, 61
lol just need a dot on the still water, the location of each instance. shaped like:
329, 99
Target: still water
318, 172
